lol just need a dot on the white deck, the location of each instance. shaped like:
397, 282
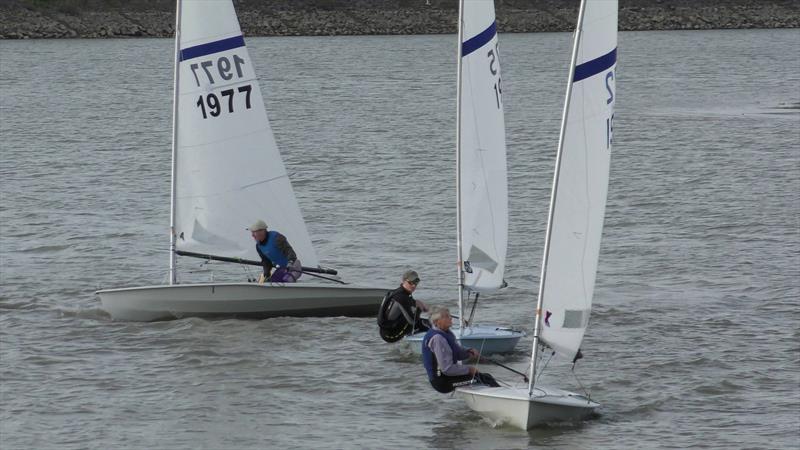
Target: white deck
242, 300
512, 406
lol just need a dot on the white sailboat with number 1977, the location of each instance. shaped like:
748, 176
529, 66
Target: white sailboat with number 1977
482, 188
226, 174
574, 228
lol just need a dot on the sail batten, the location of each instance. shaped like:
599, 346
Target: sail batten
229, 172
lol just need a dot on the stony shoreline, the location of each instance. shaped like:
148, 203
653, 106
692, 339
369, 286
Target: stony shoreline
36, 19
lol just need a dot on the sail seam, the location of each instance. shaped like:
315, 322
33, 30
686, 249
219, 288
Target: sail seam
236, 189
225, 139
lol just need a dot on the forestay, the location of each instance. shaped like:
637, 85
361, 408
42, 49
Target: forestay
580, 192
482, 169
229, 171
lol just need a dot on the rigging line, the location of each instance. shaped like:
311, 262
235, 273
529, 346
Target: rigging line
247, 272
579, 382
545, 365
472, 312
477, 360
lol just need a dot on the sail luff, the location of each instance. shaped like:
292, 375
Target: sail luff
459, 235
173, 169
553, 194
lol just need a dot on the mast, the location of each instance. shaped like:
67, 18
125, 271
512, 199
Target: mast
458, 173
562, 132
175, 85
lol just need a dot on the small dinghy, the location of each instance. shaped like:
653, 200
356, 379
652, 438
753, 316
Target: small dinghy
481, 179
227, 173
574, 228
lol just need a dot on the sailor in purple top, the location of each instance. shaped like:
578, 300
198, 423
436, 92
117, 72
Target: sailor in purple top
441, 352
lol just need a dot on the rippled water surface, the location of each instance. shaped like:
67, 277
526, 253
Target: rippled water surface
694, 338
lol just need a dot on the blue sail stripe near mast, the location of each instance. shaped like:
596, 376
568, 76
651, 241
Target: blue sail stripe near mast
212, 47
595, 66
474, 43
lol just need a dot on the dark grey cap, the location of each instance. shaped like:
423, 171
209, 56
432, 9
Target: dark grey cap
411, 275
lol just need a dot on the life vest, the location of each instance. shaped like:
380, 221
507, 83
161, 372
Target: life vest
429, 358
270, 250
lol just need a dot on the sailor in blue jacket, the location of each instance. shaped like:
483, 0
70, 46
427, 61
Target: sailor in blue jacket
275, 252
441, 352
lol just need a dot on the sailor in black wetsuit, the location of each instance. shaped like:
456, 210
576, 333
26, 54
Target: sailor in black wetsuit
399, 312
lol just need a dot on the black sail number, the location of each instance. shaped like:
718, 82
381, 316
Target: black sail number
221, 67
492, 59
211, 105
609, 100
494, 69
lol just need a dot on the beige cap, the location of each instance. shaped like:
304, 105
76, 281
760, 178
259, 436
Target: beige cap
258, 225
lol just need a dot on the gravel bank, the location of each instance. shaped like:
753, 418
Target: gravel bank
25, 19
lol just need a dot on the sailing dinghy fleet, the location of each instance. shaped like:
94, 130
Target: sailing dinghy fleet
227, 172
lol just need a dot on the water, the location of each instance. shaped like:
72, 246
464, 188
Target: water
694, 339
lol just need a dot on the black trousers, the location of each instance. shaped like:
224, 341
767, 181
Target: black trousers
421, 324
395, 334
446, 384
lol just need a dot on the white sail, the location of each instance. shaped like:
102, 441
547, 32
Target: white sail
229, 172
580, 193
483, 185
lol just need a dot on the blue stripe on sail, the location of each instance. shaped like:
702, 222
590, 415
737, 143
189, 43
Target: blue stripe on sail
472, 44
212, 47
595, 66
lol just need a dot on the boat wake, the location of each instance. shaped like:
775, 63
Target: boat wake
84, 313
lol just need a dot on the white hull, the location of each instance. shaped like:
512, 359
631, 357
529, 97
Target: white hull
512, 406
241, 300
486, 339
